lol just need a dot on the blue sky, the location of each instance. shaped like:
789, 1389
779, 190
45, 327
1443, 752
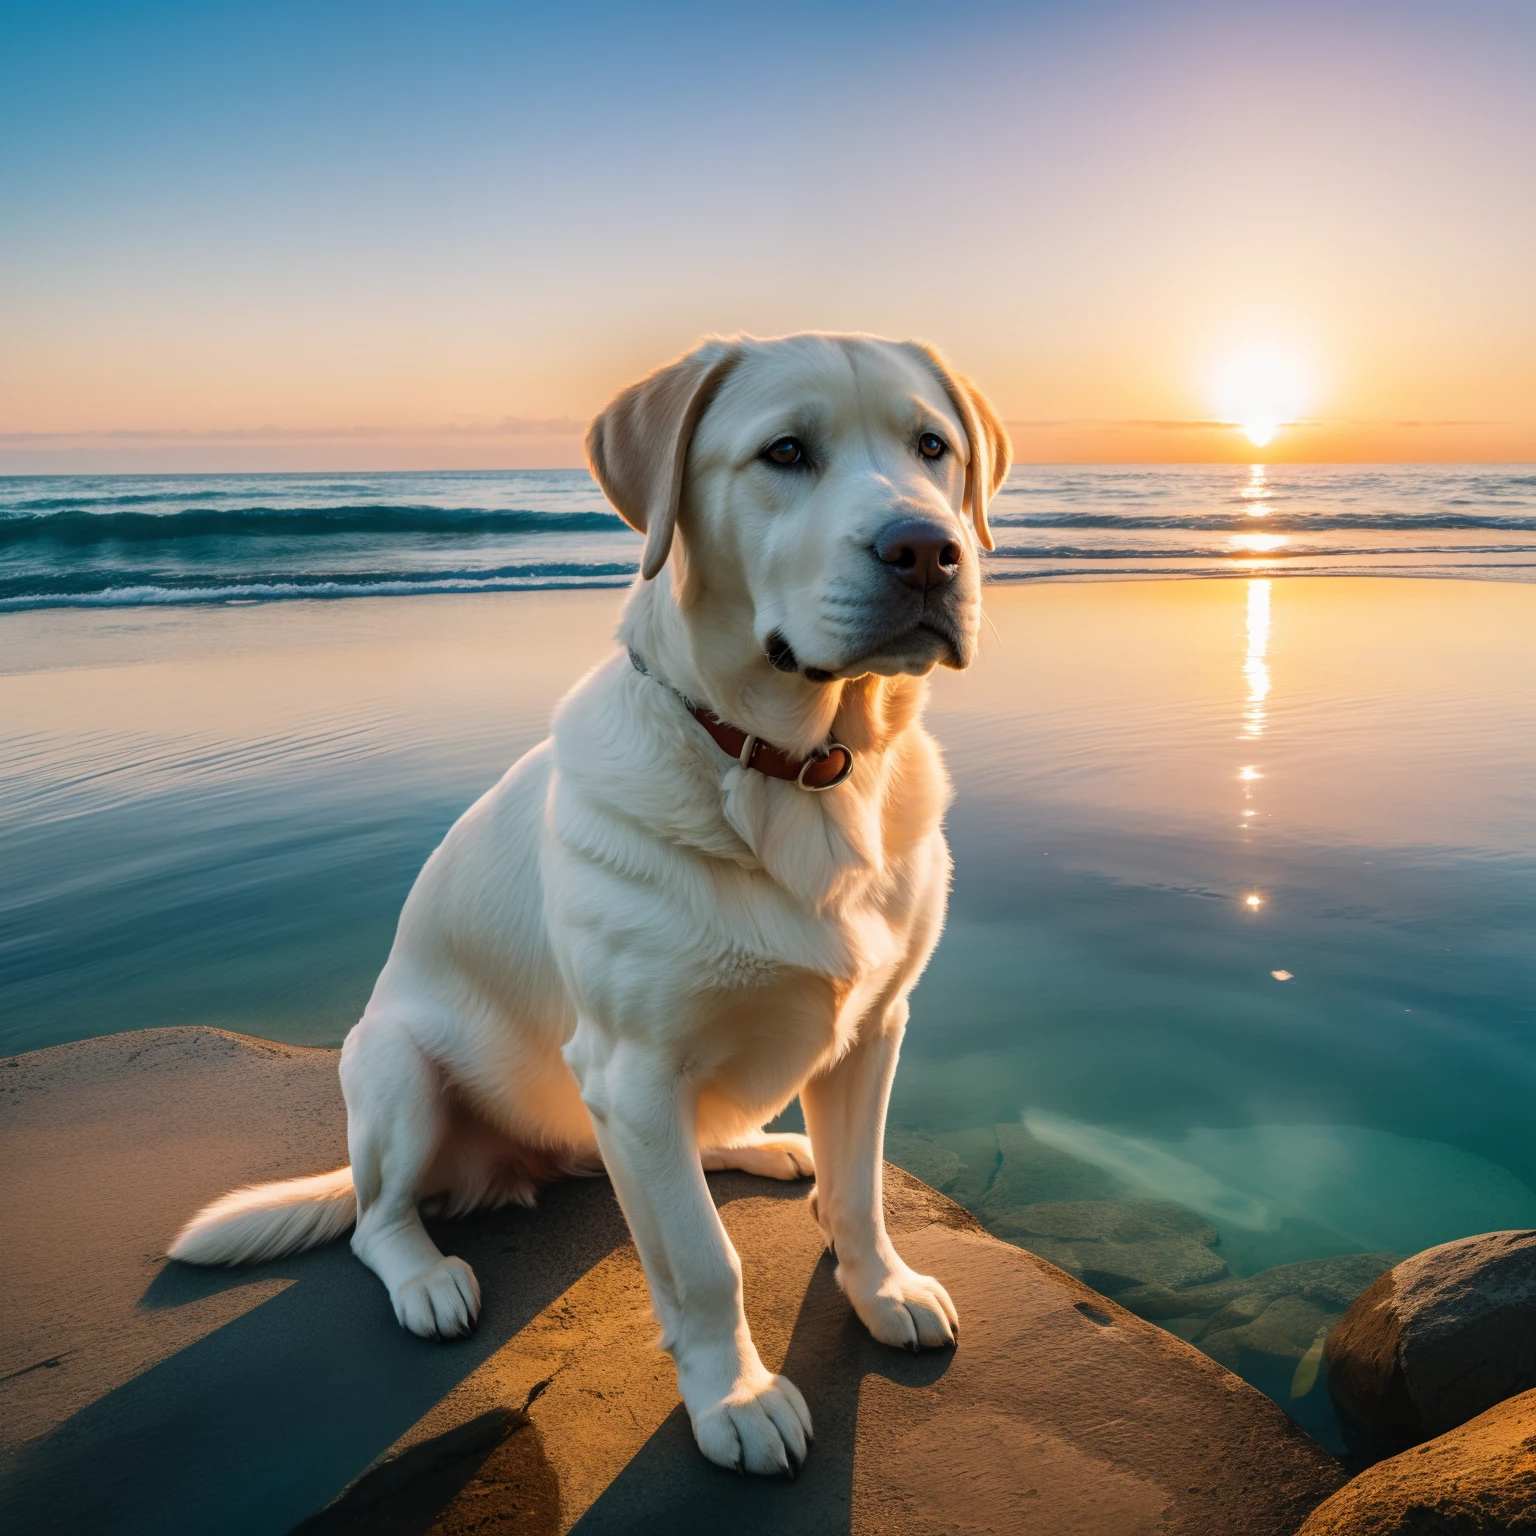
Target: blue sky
404, 216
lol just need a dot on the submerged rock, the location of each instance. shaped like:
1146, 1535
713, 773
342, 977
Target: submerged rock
1289, 1327
1330, 1283
1085, 1221
1028, 1171
1117, 1245
1285, 1312
924, 1158
1438, 1339
1115, 1221
1474, 1481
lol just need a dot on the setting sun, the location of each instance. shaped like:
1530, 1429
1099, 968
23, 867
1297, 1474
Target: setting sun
1260, 392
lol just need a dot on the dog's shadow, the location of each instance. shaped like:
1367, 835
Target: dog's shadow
668, 1489
491, 1473
257, 1425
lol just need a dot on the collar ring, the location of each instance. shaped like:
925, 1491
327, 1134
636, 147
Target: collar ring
811, 762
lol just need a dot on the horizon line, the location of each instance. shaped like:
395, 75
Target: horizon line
1252, 462
567, 426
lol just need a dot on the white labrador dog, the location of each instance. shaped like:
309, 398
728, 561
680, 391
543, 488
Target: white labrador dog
710, 890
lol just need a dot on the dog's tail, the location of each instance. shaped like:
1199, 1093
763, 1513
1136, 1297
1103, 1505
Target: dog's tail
265, 1221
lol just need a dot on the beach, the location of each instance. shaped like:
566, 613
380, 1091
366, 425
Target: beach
1236, 978
356, 375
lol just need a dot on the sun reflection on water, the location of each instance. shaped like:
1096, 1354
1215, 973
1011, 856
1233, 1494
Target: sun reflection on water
1259, 543
1257, 490
1255, 706
1256, 664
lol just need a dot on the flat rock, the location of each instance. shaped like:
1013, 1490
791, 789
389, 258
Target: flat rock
1116, 1245
144, 1396
1029, 1172
1112, 1221
1478, 1480
924, 1158
1437, 1339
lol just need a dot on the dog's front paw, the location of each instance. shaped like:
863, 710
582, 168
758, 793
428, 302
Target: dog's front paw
761, 1425
440, 1303
901, 1307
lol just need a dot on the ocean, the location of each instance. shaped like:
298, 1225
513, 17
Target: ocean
1236, 1002
134, 540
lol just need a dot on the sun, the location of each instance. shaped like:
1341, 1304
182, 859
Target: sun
1260, 391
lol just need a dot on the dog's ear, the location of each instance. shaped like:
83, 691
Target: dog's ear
638, 447
990, 451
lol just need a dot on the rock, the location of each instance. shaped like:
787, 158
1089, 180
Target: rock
1287, 1327
1332, 1284
923, 1157
1438, 1339
1281, 1311
1117, 1245
1478, 1480
1028, 1172
976, 1147
146, 1397
1284, 1312
1115, 1221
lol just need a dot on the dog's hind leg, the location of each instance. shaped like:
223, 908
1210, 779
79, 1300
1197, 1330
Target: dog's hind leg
396, 1119
768, 1154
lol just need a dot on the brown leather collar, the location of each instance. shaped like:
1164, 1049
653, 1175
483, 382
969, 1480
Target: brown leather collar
824, 770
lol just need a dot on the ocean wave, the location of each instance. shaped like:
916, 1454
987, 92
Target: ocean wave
79, 502
155, 596
77, 527
1221, 570
1219, 552
144, 589
1269, 522
145, 541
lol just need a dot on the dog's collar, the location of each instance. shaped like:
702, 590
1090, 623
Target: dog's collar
823, 770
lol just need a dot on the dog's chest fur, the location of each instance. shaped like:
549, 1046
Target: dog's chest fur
771, 918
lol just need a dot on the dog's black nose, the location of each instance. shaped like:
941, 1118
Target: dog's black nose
923, 554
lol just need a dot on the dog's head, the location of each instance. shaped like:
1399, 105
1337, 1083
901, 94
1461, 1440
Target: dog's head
822, 498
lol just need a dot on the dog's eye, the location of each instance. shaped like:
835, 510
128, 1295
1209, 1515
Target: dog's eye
931, 445
785, 451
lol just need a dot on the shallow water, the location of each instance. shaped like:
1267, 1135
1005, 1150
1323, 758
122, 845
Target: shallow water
1239, 972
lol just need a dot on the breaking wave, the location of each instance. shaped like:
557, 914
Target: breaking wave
76, 525
145, 541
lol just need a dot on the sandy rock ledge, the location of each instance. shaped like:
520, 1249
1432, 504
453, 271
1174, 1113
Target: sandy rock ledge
143, 1396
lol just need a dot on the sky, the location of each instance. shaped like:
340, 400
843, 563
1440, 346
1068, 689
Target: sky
272, 236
